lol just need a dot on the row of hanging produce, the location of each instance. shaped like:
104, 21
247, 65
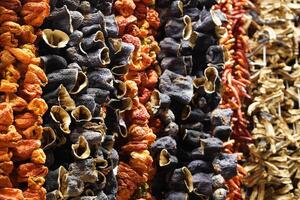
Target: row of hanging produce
149, 100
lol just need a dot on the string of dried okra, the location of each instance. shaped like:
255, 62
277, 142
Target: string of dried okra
22, 170
273, 165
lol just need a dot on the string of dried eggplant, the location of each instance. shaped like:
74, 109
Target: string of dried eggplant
188, 155
138, 23
81, 53
274, 55
22, 170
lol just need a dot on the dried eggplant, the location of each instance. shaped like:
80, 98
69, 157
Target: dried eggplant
78, 61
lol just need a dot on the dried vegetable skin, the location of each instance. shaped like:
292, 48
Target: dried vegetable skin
274, 55
138, 23
81, 53
22, 169
189, 157
233, 37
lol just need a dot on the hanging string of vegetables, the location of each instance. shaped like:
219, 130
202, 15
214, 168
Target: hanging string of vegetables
145, 99
22, 169
235, 78
273, 169
138, 23
78, 47
189, 154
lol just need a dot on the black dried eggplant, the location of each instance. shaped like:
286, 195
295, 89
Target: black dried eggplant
202, 184
215, 54
94, 138
226, 165
221, 117
78, 57
170, 47
179, 27
93, 42
85, 170
75, 38
222, 132
174, 195
87, 101
166, 142
77, 19
88, 30
99, 58
180, 65
194, 128
71, 4
100, 95
209, 20
211, 146
197, 166
176, 9
111, 26
93, 18
172, 129
60, 19
193, 138
181, 180
178, 87
53, 62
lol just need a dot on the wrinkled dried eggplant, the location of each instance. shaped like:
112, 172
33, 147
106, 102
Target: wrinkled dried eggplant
190, 121
77, 57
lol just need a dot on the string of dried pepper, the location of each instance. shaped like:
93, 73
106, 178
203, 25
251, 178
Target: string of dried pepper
235, 81
138, 23
22, 169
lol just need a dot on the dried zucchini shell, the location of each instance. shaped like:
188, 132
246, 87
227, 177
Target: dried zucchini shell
81, 150
99, 58
55, 38
62, 118
211, 76
48, 139
65, 100
122, 104
81, 114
